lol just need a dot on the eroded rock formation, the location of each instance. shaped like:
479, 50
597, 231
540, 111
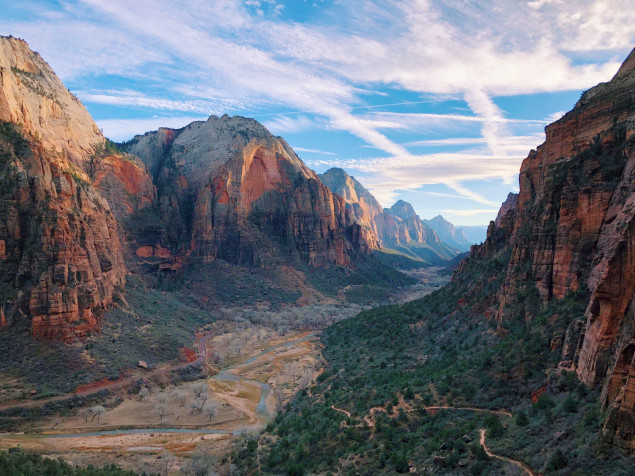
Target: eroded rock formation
230, 189
572, 227
60, 259
398, 227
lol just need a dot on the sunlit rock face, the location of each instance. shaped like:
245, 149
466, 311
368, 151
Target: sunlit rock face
60, 254
233, 191
398, 227
571, 226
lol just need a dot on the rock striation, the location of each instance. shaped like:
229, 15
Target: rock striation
61, 262
572, 228
229, 189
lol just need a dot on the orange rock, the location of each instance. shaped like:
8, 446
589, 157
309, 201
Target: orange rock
145, 251
535, 395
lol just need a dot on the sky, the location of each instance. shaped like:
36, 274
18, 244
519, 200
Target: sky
433, 102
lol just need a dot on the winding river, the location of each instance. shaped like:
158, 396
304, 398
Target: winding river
230, 374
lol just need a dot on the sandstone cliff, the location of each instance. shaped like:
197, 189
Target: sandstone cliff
361, 204
228, 189
60, 255
571, 228
33, 96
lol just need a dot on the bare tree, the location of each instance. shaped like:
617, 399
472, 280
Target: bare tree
181, 398
161, 397
197, 406
97, 411
203, 397
161, 410
199, 388
210, 410
84, 413
279, 397
167, 458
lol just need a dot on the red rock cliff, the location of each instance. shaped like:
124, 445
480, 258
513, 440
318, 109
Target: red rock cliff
572, 227
232, 190
61, 260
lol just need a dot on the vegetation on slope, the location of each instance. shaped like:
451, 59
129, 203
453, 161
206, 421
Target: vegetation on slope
388, 366
17, 462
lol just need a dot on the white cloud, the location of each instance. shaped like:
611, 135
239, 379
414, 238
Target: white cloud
290, 124
132, 98
385, 177
521, 142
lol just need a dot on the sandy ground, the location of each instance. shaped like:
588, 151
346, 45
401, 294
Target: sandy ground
286, 369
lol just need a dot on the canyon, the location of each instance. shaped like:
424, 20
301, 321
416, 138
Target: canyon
219, 230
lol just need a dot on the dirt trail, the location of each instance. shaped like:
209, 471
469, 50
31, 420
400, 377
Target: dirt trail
472, 409
348, 414
520, 464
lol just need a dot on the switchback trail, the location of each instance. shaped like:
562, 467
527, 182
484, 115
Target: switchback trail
520, 464
368, 420
348, 414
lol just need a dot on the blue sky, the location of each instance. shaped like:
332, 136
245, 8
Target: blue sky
433, 102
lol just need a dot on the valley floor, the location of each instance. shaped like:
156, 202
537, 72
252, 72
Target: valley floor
181, 414
132, 431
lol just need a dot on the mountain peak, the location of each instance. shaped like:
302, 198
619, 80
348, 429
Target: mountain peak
32, 95
628, 66
403, 210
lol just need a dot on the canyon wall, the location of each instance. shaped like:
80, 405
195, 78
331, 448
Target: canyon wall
570, 230
61, 262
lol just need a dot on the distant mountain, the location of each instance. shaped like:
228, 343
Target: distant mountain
398, 228
449, 234
474, 234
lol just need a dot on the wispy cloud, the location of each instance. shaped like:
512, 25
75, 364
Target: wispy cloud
386, 177
312, 151
132, 98
210, 57
469, 213
283, 124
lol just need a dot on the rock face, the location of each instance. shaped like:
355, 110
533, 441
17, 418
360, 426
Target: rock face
229, 189
508, 205
33, 96
572, 227
60, 259
360, 203
398, 227
448, 233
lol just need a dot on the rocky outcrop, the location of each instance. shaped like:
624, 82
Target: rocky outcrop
510, 203
571, 228
360, 203
61, 261
33, 96
229, 189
